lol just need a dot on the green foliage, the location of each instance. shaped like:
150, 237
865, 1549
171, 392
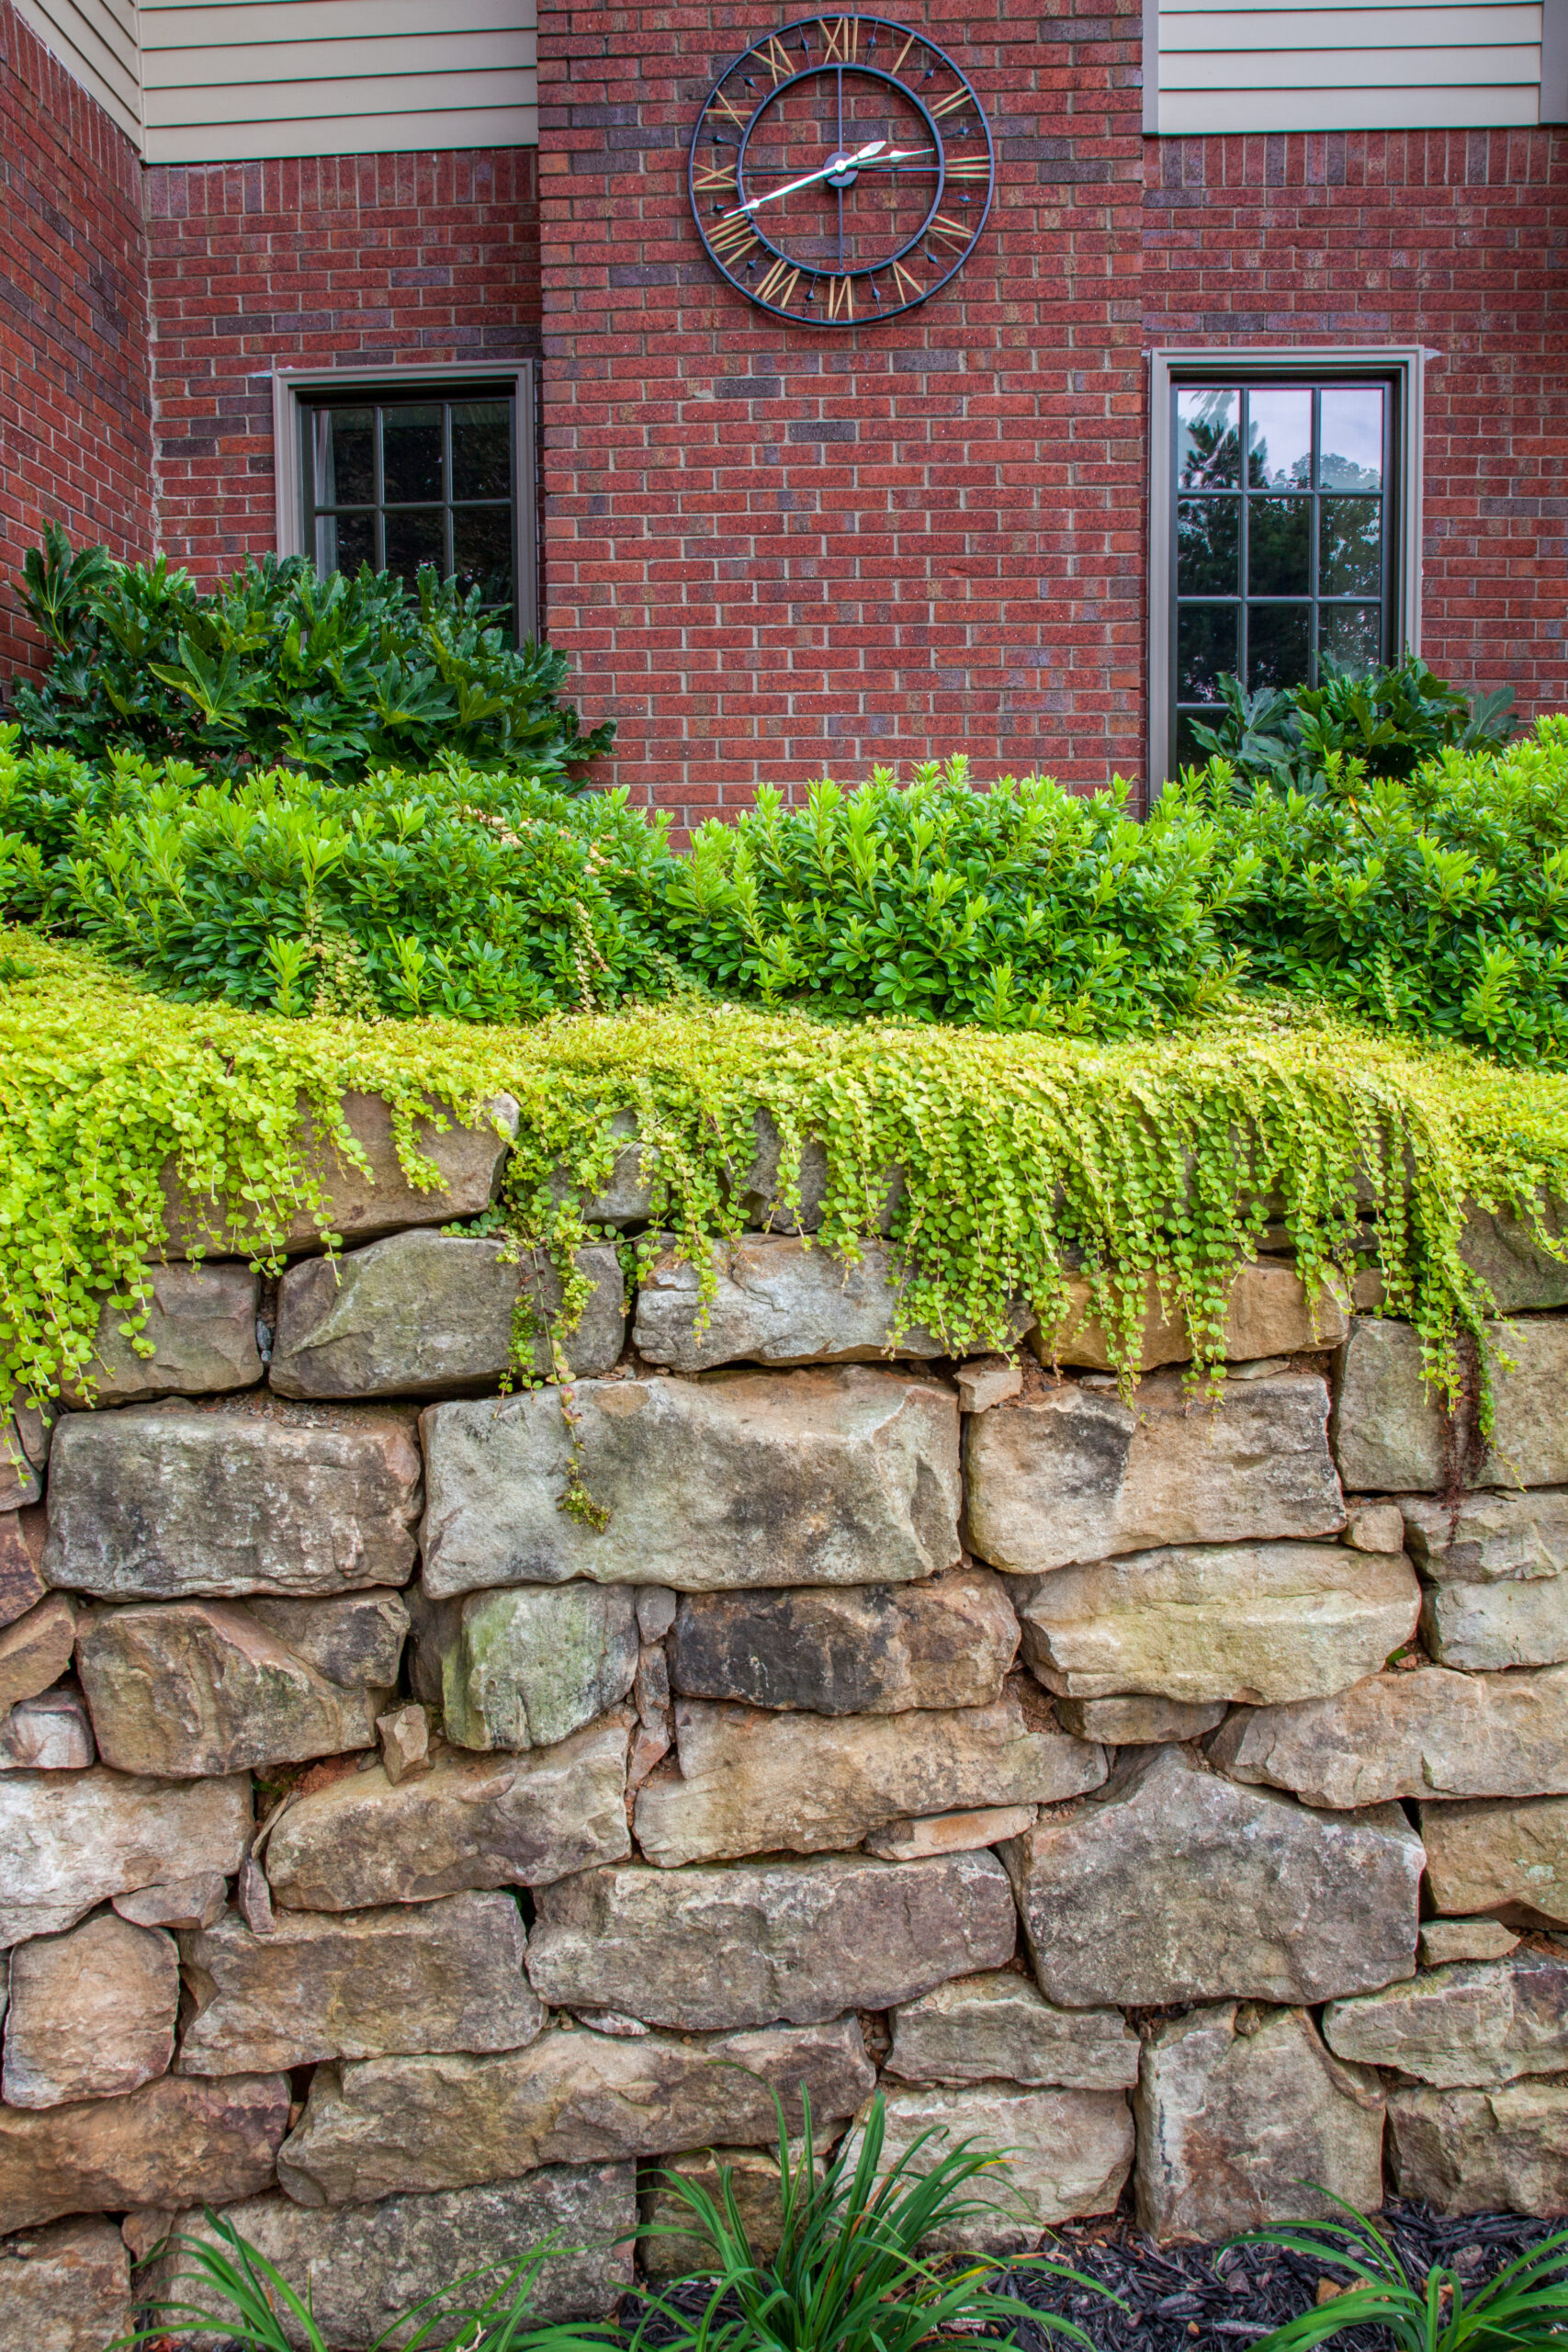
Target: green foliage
331, 676
853, 2271
486, 897
1391, 719
1524, 2309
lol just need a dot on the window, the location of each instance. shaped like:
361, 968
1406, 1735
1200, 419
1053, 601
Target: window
426, 467
1281, 527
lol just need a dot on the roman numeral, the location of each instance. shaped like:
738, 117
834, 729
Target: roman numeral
908, 287
715, 179
953, 231
779, 284
841, 298
843, 38
723, 105
775, 56
951, 104
903, 53
732, 239
969, 167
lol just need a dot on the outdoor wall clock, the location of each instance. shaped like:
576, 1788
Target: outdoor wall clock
842, 171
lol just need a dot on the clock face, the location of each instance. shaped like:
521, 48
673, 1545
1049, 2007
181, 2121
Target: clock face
842, 171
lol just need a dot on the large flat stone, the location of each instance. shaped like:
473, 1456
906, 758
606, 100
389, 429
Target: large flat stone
1068, 2153
201, 1328
864, 1650
171, 1502
442, 1976
70, 1840
1174, 1885
778, 1301
185, 1688
1497, 1567
1269, 1313
428, 1314
529, 1666
1505, 1251
798, 1940
471, 1821
389, 2124
36, 1650
1244, 2117
1075, 1474
92, 2013
174, 2141
365, 2266
360, 1202
751, 1782
1423, 1734
1465, 2026
998, 2027
1483, 2151
66, 2288
1503, 1854
834, 1476
1389, 1426
1201, 1621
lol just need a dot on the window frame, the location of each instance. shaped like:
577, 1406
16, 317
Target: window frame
294, 390
1402, 366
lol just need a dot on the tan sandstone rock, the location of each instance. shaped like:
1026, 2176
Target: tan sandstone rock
1068, 2153
1269, 1313
357, 1640
530, 1665
985, 1381
49, 1734
1483, 2151
1136, 1720
1201, 1621
391, 2124
997, 2027
471, 1821
1238, 2111
69, 1839
201, 1327
92, 2013
1074, 1475
1467, 2026
1389, 1426
21, 1554
797, 1940
1497, 1566
750, 1782
1174, 1885
1445, 1941
174, 2141
66, 2288
1501, 1854
183, 1903
832, 1476
868, 1649
1432, 1732
36, 1650
166, 1502
926, 1834
426, 1314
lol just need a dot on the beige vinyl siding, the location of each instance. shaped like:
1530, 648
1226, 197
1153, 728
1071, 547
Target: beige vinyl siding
96, 43
1281, 65
249, 78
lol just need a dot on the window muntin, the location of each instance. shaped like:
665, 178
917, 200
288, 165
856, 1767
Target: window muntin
1283, 553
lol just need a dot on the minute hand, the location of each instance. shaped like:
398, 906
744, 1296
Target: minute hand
871, 154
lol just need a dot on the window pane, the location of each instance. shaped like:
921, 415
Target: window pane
1278, 546
1353, 634
1208, 547
1205, 645
1279, 643
410, 453
415, 539
1349, 556
1279, 440
1190, 752
1208, 443
1351, 438
346, 457
481, 449
481, 551
345, 541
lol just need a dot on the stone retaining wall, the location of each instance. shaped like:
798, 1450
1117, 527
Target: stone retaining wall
414, 1867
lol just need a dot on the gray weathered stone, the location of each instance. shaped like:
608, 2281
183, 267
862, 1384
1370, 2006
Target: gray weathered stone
66, 2288
165, 1501
367, 2265
1445, 1941
1000, 2028
1422, 1734
868, 1649
1501, 1854
404, 1736
625, 1195
1174, 1885
1487, 1628
471, 1821
184, 1688
846, 1475
797, 1940
751, 1782
389, 2124
69, 1839
1389, 1426
1136, 1720
1074, 1475
1483, 2151
1250, 1622
201, 1325
925, 1833
1243, 2117
985, 1381
174, 2141
49, 1734
356, 1642
359, 1202
1503, 1248
21, 1553
428, 1977
92, 2013
1269, 1313
1068, 2153
1498, 1568
778, 1302
36, 1650
529, 1666
183, 1903
428, 1314
1375, 1526
1466, 2026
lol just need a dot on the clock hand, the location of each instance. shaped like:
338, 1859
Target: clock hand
840, 164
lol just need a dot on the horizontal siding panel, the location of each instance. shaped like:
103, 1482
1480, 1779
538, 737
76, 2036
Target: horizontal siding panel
397, 134
97, 46
1191, 113
340, 61
385, 96
1348, 28
1302, 69
246, 22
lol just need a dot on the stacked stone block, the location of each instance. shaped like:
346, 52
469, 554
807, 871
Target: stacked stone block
1173, 1793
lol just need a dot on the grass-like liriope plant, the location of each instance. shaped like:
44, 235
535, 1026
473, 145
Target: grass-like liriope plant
856, 2269
1524, 2309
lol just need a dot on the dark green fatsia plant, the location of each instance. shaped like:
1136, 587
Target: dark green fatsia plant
1386, 720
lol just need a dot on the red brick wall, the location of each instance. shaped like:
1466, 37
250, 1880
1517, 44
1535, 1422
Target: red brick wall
358, 260
75, 406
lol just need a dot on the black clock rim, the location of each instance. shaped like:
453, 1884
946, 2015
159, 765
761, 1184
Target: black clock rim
794, 318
